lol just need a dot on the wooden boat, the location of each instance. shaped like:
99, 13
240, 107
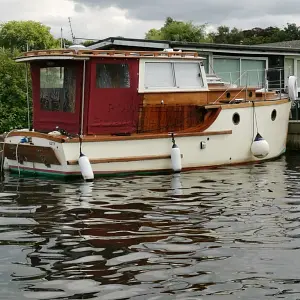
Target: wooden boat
123, 112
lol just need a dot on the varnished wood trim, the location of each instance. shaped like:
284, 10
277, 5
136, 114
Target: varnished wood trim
209, 119
247, 104
122, 159
36, 134
31, 153
229, 89
114, 53
107, 138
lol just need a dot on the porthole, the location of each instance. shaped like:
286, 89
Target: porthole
228, 95
250, 94
273, 115
236, 118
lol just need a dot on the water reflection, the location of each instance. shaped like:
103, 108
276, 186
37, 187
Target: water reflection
230, 232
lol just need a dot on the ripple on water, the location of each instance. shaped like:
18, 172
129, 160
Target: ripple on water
225, 233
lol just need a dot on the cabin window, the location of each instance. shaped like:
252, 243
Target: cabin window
57, 89
158, 75
188, 75
112, 76
173, 75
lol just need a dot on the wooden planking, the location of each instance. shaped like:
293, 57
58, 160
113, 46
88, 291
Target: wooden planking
122, 159
31, 153
204, 97
176, 98
239, 93
209, 119
167, 118
221, 95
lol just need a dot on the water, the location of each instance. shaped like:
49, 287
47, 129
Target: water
230, 233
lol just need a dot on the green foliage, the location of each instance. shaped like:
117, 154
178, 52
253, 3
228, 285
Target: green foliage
188, 32
17, 34
13, 100
14, 38
225, 35
88, 43
255, 36
178, 31
65, 43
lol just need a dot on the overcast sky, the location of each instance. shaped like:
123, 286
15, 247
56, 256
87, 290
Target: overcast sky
98, 19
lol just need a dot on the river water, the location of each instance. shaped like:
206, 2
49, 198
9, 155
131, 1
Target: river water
228, 233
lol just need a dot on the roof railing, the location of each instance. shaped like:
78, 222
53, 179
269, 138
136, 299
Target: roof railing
123, 53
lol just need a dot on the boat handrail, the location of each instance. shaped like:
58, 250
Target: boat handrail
228, 89
266, 83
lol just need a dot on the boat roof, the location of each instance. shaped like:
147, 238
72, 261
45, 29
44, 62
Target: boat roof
86, 54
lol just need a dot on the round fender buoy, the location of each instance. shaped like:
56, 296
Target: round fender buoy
260, 147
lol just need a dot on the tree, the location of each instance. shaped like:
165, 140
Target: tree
19, 34
154, 34
178, 31
15, 37
88, 43
13, 100
255, 35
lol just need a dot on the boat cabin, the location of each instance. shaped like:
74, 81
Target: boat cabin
100, 92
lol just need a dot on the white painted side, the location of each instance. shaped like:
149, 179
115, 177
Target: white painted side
220, 149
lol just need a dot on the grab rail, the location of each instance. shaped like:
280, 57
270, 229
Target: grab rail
265, 84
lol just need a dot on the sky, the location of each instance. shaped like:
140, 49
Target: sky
98, 19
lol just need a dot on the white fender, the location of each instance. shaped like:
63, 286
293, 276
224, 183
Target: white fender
86, 168
5, 164
293, 88
260, 147
176, 159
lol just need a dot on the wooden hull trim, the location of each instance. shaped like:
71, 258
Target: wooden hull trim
105, 138
248, 104
122, 159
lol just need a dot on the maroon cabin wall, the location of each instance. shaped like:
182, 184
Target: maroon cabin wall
46, 121
113, 110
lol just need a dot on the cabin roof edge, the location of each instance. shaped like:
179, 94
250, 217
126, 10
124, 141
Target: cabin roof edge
88, 53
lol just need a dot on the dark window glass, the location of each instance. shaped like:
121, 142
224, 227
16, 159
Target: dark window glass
112, 76
57, 89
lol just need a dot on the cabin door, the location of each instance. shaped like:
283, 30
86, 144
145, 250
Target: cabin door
57, 96
114, 100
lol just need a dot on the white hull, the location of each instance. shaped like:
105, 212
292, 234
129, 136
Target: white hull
226, 143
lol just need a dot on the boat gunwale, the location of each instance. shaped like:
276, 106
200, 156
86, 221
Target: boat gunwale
108, 138
248, 103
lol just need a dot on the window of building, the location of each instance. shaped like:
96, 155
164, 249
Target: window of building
58, 89
228, 69
289, 67
112, 76
240, 71
253, 72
